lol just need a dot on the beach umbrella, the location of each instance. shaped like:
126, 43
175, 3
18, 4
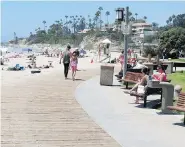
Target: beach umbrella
27, 49
106, 41
3, 49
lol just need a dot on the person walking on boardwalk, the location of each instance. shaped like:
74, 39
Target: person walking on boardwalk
66, 60
121, 59
74, 62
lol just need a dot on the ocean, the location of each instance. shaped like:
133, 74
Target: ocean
20, 50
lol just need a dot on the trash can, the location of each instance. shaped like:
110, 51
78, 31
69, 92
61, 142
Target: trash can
106, 75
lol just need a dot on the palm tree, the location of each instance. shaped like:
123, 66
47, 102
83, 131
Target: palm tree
61, 21
136, 16
66, 18
90, 24
44, 22
173, 16
70, 22
145, 18
155, 25
167, 22
100, 9
15, 36
132, 19
170, 19
107, 14
96, 17
95, 21
57, 21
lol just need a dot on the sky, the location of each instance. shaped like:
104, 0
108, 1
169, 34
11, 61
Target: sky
24, 17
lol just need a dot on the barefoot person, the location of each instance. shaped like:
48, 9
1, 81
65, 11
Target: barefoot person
66, 60
142, 82
121, 59
74, 62
99, 51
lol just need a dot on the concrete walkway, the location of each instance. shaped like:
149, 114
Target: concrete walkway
128, 124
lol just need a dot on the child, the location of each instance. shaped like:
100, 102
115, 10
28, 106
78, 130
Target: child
121, 59
74, 62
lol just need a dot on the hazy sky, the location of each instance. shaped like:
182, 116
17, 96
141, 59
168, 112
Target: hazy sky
23, 17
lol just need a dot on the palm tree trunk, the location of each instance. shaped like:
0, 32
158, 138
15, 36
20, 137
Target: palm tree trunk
100, 21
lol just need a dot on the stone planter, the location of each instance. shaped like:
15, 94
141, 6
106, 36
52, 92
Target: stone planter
177, 90
106, 75
169, 69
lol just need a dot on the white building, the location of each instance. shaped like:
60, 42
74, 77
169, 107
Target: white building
142, 29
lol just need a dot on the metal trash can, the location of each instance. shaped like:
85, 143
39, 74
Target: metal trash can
106, 75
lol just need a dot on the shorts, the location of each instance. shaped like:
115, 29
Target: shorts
74, 68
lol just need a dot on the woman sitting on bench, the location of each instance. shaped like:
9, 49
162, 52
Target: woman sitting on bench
161, 75
142, 82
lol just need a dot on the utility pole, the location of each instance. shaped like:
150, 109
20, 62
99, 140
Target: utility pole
143, 41
126, 41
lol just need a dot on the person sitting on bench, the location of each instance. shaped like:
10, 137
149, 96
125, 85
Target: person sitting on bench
161, 75
142, 82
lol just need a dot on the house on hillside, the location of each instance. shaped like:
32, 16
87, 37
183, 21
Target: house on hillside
84, 31
142, 29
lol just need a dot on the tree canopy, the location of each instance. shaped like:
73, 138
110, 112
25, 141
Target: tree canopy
173, 38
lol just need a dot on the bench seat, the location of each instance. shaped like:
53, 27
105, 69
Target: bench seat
132, 77
180, 104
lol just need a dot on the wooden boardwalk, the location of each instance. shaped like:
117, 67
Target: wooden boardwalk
42, 112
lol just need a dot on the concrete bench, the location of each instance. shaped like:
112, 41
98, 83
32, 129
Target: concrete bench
180, 104
178, 64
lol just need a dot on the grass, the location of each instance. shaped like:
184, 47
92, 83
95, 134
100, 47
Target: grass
178, 79
177, 60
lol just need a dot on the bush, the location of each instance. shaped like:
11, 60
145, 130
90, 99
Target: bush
150, 50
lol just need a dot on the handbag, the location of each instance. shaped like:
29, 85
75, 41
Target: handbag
141, 89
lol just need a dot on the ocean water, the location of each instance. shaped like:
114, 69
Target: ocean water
19, 50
